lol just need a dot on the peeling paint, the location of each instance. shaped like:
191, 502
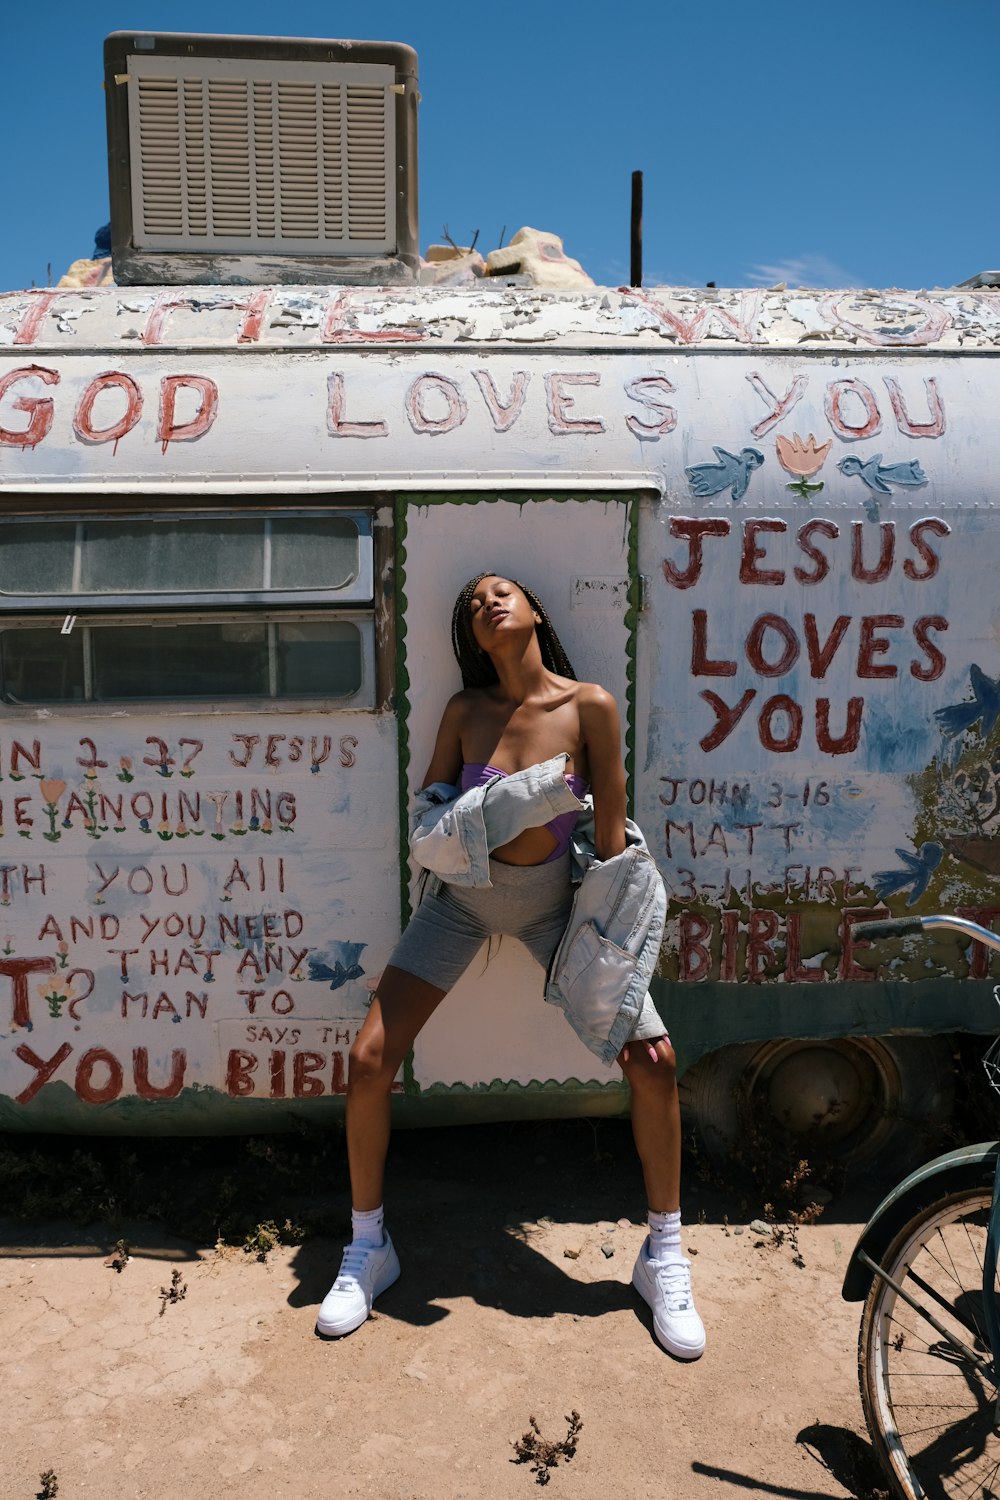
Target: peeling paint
773, 319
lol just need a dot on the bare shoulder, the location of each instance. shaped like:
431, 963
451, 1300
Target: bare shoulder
596, 704
600, 728
461, 706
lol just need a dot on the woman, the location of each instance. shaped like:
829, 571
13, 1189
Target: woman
521, 704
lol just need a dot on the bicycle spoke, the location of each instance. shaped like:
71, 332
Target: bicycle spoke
930, 1404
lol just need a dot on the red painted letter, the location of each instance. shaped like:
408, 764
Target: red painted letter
701, 666
43, 1070
17, 971
111, 379
804, 538
39, 408
935, 657
936, 528
692, 531
872, 645
835, 393
749, 572
168, 431
90, 1092
173, 1086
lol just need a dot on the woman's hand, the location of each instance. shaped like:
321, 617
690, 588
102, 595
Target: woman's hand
649, 1046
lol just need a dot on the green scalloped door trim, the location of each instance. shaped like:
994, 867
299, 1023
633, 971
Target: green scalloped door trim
634, 604
401, 698
402, 506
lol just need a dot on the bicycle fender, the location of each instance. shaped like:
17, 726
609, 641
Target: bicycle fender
970, 1166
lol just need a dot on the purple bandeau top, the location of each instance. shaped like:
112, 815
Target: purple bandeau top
561, 827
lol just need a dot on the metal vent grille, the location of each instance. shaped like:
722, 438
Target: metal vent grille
230, 155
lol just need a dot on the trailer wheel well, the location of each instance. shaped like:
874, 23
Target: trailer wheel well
854, 1100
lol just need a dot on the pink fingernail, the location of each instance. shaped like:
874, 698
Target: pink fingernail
652, 1053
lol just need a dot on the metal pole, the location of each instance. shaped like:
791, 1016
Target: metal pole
636, 235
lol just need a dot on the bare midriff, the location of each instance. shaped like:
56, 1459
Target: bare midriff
532, 847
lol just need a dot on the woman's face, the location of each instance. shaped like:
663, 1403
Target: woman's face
496, 608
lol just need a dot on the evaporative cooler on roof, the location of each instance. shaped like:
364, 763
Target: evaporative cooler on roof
248, 159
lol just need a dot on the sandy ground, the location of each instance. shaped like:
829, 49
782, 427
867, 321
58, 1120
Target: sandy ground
227, 1392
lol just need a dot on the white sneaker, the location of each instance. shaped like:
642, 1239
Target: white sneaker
365, 1272
666, 1286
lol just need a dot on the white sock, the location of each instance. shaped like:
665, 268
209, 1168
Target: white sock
366, 1226
665, 1236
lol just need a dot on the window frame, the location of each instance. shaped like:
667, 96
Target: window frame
356, 604
363, 698
360, 591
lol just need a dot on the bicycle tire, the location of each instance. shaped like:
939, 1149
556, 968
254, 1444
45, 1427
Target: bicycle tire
929, 1410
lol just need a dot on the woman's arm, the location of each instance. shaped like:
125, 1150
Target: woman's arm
446, 762
602, 737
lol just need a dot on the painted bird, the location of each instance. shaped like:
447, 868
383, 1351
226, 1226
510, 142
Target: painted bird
919, 869
985, 707
343, 967
730, 473
879, 476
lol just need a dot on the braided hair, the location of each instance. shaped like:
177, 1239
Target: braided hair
477, 668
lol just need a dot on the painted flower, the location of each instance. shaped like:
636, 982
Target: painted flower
52, 790
802, 458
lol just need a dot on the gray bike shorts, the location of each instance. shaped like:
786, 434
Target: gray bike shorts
528, 902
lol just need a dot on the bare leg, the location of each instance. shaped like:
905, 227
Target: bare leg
402, 1005
662, 1275
656, 1121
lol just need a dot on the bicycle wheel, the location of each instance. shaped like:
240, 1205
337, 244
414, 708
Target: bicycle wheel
930, 1409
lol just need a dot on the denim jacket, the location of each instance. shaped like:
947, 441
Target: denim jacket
600, 971
452, 833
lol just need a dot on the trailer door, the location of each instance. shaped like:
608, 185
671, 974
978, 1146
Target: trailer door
494, 1029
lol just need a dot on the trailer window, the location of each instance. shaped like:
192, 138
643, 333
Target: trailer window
120, 662
169, 559
120, 609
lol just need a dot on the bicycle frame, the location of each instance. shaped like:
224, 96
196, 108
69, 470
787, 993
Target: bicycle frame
960, 1170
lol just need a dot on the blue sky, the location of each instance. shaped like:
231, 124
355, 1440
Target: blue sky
822, 145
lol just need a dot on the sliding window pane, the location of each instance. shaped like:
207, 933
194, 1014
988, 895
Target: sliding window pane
172, 556
37, 559
319, 552
180, 661
321, 660
39, 665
